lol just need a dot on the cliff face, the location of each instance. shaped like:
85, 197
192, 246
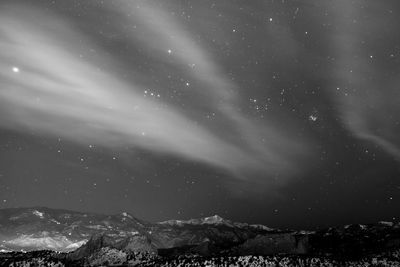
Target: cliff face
95, 244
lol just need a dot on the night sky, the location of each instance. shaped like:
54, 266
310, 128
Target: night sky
279, 112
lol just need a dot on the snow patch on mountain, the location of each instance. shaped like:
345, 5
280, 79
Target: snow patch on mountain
213, 220
38, 213
97, 227
390, 224
216, 220
76, 245
125, 214
55, 221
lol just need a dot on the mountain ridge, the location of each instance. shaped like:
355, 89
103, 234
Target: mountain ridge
85, 234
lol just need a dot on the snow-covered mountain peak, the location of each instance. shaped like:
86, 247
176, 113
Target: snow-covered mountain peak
38, 213
216, 219
127, 215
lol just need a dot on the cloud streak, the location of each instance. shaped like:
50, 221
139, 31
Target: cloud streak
368, 101
57, 92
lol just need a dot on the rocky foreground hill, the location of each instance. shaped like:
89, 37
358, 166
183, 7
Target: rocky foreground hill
94, 239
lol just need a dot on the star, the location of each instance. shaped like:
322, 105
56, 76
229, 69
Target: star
312, 117
15, 69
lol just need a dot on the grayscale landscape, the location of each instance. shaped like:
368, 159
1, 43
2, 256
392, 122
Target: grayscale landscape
199, 133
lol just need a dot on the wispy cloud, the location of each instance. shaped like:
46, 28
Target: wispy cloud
55, 91
367, 95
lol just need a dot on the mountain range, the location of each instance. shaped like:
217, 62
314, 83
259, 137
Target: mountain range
85, 234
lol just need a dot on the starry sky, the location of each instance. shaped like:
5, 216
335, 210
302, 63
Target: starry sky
280, 112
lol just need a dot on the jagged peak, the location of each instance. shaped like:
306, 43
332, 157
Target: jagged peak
213, 219
38, 213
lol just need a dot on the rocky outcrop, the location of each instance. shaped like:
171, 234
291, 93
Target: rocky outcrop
95, 243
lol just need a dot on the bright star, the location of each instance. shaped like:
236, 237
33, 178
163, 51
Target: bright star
15, 69
313, 117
